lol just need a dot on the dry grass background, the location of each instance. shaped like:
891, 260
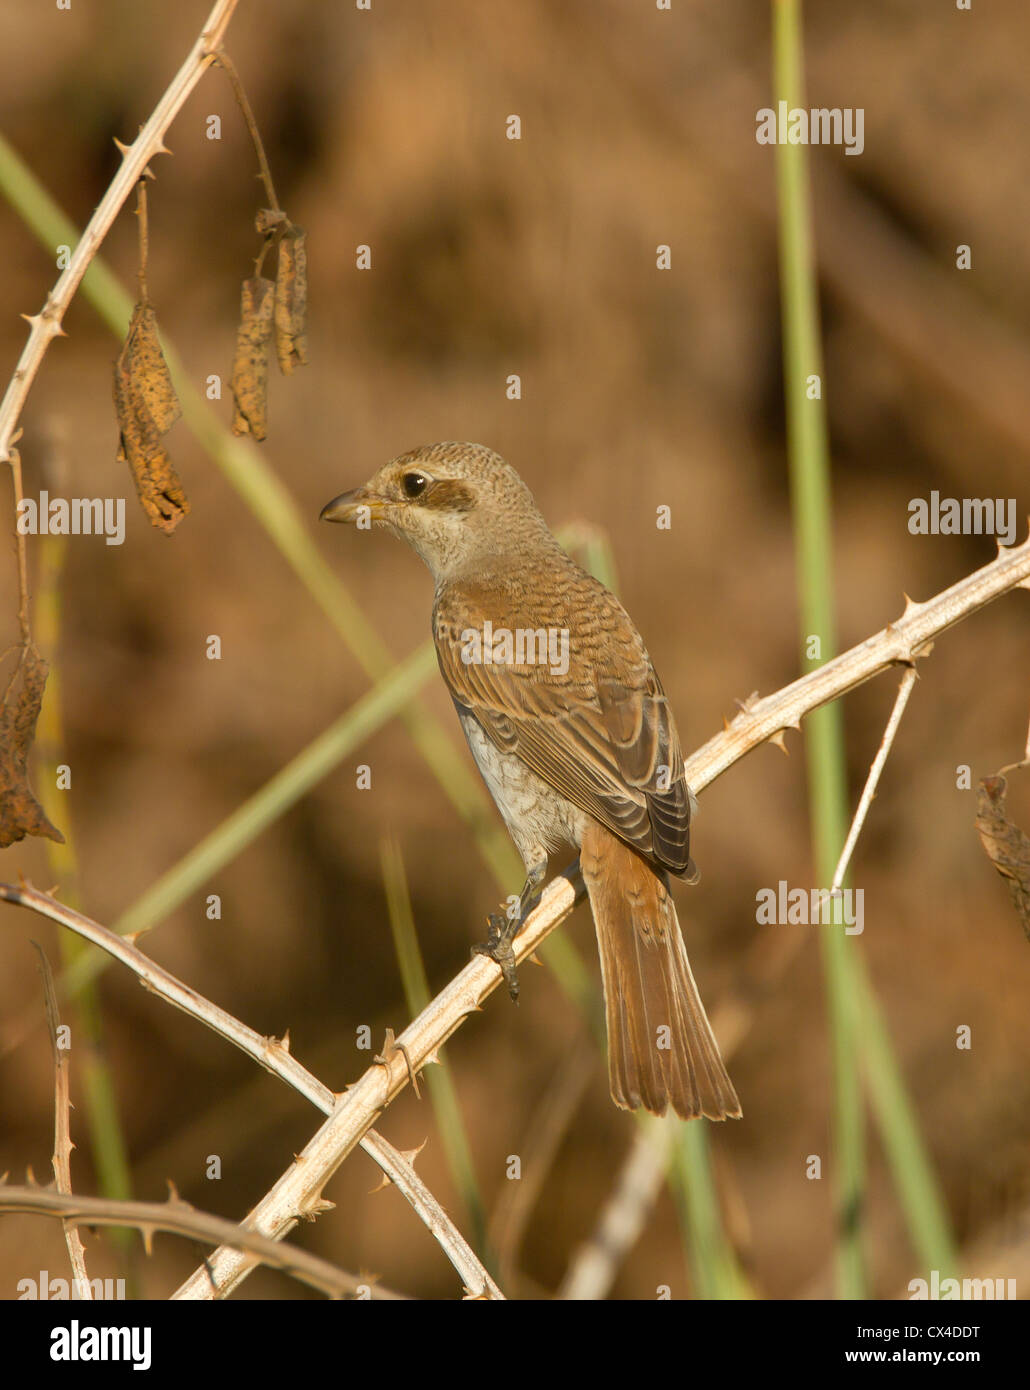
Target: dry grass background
640, 388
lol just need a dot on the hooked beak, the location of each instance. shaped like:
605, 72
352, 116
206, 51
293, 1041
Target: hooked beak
347, 506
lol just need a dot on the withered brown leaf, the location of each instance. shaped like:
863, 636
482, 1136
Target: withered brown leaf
143, 363
291, 301
250, 365
1007, 847
158, 486
147, 407
20, 812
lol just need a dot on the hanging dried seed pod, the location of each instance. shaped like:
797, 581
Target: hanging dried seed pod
143, 362
291, 301
250, 366
147, 407
158, 485
1006, 845
20, 812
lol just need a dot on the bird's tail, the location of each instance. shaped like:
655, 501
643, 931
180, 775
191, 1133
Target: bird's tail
661, 1048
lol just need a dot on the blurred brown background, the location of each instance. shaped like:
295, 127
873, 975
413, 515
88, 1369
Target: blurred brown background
639, 388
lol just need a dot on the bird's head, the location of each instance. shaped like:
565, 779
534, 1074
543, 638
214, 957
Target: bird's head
459, 506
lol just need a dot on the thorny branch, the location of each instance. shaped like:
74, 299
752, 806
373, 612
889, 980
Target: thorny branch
353, 1113
182, 1219
46, 325
904, 641
273, 1054
24, 626
62, 1122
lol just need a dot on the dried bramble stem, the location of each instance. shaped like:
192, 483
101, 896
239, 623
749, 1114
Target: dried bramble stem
225, 62
902, 641
14, 458
144, 239
62, 1125
272, 1054
46, 325
180, 1218
908, 680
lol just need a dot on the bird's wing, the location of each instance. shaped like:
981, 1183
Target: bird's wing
601, 733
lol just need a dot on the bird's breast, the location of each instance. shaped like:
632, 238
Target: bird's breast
536, 815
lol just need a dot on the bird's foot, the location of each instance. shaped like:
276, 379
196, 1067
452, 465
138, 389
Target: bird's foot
497, 947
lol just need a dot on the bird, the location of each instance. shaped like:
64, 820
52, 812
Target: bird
574, 737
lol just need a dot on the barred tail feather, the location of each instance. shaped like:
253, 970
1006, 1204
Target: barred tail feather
661, 1048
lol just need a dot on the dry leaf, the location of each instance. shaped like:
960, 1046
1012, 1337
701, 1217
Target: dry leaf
291, 301
20, 812
147, 407
158, 487
143, 362
1007, 847
250, 367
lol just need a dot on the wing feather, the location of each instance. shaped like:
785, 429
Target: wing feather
601, 733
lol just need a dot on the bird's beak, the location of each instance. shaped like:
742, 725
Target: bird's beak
347, 507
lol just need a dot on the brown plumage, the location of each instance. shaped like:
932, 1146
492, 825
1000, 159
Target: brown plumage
575, 745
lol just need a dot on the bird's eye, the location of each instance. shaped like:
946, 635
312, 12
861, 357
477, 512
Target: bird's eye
414, 484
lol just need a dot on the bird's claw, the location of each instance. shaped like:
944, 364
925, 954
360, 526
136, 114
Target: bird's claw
497, 947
